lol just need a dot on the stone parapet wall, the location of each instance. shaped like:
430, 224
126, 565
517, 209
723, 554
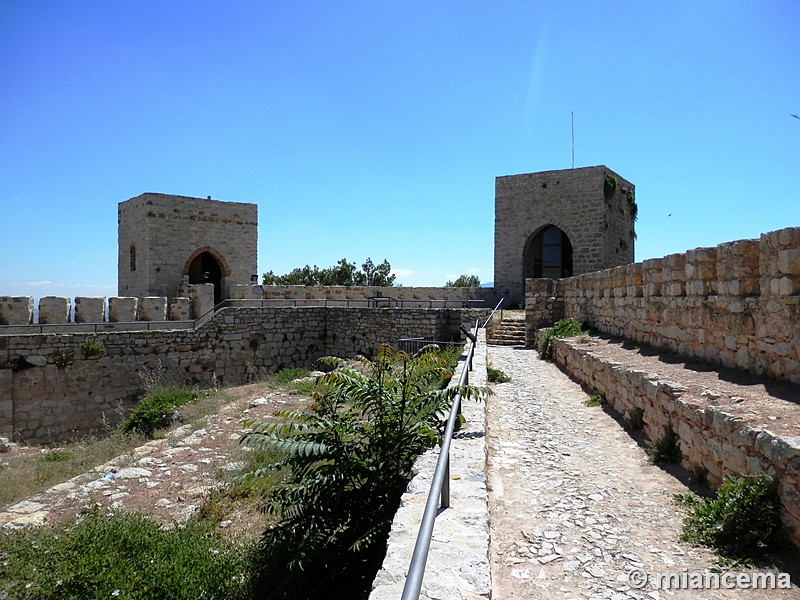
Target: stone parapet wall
49, 389
457, 567
423, 297
736, 305
712, 437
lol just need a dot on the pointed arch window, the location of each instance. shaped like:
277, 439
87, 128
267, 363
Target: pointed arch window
549, 254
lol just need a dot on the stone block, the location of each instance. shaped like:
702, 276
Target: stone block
90, 309
153, 308
16, 310
122, 309
202, 298
180, 309
789, 261
54, 309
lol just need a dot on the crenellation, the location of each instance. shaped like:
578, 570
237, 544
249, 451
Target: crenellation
54, 310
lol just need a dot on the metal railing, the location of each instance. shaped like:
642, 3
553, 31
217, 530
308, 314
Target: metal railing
494, 310
440, 487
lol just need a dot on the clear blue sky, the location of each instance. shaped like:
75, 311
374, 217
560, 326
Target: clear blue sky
377, 128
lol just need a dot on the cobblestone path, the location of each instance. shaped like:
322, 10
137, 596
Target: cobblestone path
575, 506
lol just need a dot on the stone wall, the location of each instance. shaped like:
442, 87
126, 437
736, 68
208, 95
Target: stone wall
56, 310
711, 437
409, 297
736, 304
50, 389
458, 562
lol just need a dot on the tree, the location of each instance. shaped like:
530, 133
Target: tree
465, 281
343, 272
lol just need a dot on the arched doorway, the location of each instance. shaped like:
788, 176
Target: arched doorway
548, 254
206, 269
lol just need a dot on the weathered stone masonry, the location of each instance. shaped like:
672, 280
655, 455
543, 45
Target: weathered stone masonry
48, 389
736, 305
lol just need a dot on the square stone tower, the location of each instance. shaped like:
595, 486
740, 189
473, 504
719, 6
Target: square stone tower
166, 241
557, 224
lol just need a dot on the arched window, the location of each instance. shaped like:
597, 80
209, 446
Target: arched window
133, 257
548, 254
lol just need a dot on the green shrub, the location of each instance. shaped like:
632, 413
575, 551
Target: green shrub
609, 186
667, 449
496, 375
92, 347
741, 523
635, 420
595, 400
122, 555
156, 410
348, 463
563, 328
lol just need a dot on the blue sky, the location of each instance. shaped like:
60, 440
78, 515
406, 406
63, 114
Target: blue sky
377, 128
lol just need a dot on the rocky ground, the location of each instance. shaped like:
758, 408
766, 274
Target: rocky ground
576, 509
168, 478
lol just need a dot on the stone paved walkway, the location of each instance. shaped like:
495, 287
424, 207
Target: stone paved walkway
575, 506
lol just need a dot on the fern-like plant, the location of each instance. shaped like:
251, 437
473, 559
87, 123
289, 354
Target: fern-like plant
350, 460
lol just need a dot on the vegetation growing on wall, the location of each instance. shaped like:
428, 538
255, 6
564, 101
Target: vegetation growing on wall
741, 523
343, 273
609, 186
563, 328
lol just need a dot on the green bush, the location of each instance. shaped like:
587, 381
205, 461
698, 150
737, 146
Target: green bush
122, 555
348, 463
741, 523
667, 449
595, 400
635, 420
156, 410
92, 347
496, 375
563, 328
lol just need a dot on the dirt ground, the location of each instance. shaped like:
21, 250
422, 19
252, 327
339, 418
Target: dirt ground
168, 478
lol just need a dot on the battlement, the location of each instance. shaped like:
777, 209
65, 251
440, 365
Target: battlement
57, 310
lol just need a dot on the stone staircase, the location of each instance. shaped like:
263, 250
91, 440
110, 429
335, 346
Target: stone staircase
510, 332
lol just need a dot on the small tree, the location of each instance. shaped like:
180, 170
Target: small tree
464, 281
350, 461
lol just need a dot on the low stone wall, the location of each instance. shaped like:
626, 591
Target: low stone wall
711, 437
458, 561
50, 388
737, 304
411, 297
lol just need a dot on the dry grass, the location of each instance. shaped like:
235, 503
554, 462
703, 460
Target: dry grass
29, 470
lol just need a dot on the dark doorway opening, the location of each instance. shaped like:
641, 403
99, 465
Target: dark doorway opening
205, 269
548, 254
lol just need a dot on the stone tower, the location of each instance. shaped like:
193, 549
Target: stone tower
556, 224
166, 241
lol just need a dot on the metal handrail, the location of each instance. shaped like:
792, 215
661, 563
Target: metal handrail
440, 489
494, 310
